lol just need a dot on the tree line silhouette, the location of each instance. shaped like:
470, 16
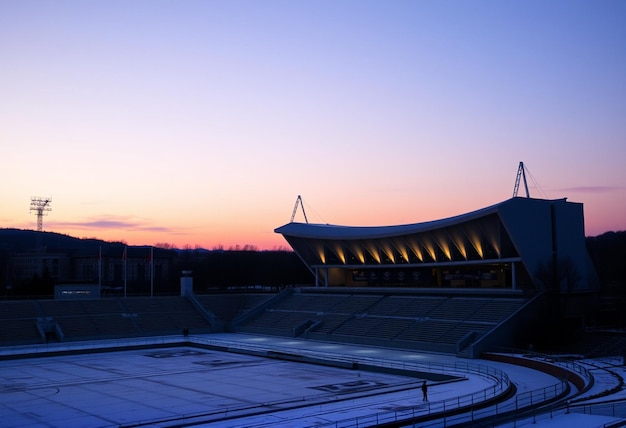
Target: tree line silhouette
213, 270
222, 269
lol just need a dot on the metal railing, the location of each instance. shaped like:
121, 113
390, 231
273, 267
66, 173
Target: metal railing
451, 412
615, 409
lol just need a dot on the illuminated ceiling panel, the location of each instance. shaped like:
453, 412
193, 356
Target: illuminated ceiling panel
319, 251
372, 249
490, 227
388, 251
442, 241
401, 247
457, 238
357, 250
415, 247
338, 250
429, 246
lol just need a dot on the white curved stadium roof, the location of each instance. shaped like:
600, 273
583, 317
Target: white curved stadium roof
330, 231
533, 232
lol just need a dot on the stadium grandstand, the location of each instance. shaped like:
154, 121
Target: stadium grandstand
461, 285
492, 279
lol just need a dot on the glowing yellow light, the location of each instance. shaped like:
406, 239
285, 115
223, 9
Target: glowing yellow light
491, 228
388, 252
417, 251
358, 252
458, 241
496, 246
371, 248
431, 251
474, 239
403, 252
430, 248
479, 248
321, 254
443, 244
462, 249
340, 253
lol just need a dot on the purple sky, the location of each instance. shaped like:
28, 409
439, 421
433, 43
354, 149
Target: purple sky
199, 122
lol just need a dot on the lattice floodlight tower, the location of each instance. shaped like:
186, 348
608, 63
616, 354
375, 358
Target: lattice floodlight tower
41, 206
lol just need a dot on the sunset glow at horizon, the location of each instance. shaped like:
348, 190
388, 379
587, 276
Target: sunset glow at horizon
198, 123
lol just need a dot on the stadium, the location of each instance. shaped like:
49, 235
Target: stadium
478, 277
454, 305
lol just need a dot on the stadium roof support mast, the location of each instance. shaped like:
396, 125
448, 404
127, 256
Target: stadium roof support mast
295, 209
521, 173
40, 206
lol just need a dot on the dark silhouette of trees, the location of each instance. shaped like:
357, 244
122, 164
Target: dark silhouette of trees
220, 269
40, 285
608, 253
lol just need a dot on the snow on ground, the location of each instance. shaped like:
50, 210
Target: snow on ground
115, 388
602, 404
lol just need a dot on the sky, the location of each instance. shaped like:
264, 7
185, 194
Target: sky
198, 123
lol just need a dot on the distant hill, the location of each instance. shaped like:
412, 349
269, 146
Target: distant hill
212, 269
18, 240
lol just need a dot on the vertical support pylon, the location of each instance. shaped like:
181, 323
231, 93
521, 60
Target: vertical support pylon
295, 209
521, 173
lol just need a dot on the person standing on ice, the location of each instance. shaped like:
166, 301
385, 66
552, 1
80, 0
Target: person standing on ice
424, 391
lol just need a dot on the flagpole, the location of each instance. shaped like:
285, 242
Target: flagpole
100, 266
125, 256
151, 271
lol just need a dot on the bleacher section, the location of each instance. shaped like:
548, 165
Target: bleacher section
97, 319
18, 322
165, 315
226, 307
406, 306
441, 322
428, 320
